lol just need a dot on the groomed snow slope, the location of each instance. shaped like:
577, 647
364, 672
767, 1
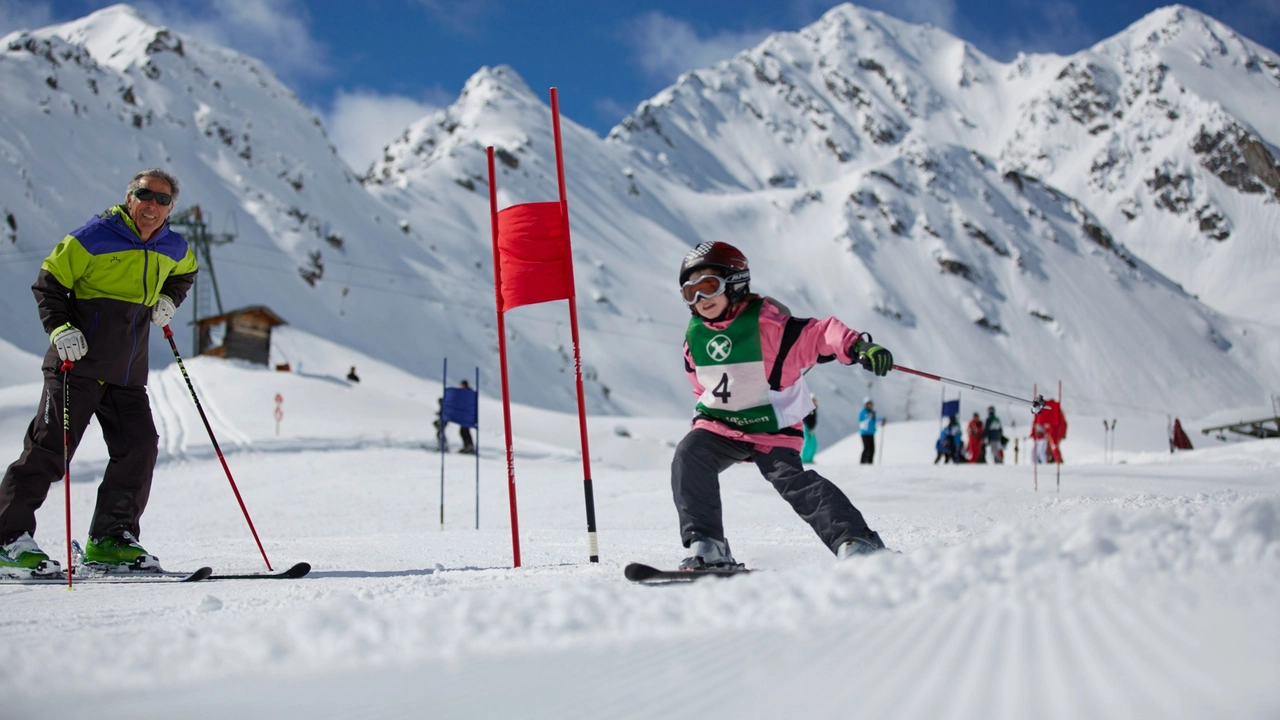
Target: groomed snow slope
1143, 588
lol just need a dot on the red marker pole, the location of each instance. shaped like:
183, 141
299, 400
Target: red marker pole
168, 334
502, 365
66, 456
593, 551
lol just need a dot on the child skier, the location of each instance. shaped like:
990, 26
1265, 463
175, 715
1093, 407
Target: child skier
745, 355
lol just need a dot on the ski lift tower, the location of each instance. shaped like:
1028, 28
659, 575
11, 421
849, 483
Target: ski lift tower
191, 221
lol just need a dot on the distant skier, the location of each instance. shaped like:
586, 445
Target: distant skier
1039, 441
950, 442
993, 434
1055, 426
98, 293
468, 445
1178, 439
867, 429
442, 442
352, 376
974, 431
744, 356
810, 447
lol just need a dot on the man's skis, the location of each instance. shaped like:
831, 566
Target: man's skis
292, 573
638, 572
92, 577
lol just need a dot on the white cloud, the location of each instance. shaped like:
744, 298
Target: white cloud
664, 47
1255, 19
612, 110
467, 17
938, 13
1046, 27
274, 31
362, 123
24, 15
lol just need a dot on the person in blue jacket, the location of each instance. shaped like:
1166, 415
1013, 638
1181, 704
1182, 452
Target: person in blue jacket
950, 443
867, 428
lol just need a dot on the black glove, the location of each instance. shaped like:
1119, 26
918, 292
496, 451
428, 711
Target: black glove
873, 357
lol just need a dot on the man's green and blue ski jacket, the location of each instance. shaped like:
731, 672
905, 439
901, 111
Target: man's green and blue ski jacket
104, 279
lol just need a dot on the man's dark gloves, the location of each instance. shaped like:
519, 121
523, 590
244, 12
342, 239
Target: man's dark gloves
872, 357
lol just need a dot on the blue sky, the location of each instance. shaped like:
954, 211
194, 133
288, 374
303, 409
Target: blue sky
369, 67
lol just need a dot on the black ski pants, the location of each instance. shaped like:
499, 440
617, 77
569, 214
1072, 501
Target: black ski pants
868, 449
695, 483
124, 414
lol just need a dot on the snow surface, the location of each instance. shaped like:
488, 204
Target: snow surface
1144, 587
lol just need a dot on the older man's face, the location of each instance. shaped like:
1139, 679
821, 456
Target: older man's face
149, 215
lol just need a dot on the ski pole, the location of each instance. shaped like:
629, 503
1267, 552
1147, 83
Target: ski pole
1036, 405
168, 334
66, 456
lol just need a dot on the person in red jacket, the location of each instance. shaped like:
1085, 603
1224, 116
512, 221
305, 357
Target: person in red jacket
974, 431
1055, 428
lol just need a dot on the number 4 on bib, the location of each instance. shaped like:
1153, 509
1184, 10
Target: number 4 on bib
721, 390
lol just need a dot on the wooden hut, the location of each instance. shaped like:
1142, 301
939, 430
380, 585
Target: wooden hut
243, 333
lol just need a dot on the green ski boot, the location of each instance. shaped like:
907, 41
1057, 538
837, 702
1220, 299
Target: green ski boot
23, 557
122, 552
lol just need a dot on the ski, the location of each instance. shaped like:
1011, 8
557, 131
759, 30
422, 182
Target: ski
292, 573
83, 577
638, 572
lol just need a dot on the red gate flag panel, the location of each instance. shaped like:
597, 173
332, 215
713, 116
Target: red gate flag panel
532, 248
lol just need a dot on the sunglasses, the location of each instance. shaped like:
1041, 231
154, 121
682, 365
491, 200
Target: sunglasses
144, 195
707, 286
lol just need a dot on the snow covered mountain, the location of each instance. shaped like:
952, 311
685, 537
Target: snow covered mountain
1165, 131
870, 169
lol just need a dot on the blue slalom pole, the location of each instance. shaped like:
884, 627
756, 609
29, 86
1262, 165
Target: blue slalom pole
476, 446
444, 381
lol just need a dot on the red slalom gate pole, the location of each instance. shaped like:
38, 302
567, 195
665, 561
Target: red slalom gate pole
502, 364
66, 456
593, 551
168, 334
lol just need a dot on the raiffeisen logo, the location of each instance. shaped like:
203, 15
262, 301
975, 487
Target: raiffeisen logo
719, 348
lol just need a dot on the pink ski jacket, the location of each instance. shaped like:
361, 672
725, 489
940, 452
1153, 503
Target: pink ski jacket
823, 338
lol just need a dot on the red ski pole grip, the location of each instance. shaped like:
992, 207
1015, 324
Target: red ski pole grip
168, 334
67, 365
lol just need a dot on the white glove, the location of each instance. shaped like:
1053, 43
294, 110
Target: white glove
163, 311
70, 343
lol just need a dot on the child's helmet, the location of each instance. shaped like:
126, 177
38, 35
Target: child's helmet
724, 257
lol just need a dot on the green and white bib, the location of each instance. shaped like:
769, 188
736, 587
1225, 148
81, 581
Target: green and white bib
730, 364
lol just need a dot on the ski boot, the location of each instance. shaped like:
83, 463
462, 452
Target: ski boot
710, 554
119, 553
861, 546
22, 558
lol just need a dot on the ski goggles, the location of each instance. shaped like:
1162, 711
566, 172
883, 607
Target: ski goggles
707, 286
144, 195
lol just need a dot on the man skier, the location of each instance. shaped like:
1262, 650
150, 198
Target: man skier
97, 293
745, 356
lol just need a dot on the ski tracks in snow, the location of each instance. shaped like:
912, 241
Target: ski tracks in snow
178, 420
173, 431
1144, 606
